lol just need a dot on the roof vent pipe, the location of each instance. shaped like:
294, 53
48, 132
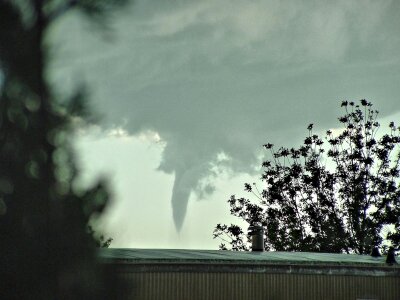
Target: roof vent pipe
391, 257
256, 231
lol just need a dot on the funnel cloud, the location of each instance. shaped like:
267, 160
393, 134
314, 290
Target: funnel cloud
180, 198
219, 78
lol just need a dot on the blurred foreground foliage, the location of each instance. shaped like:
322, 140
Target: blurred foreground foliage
46, 251
337, 194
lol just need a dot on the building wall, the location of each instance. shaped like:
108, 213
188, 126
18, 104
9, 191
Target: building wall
252, 286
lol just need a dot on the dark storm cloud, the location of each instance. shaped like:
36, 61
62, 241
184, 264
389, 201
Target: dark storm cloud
221, 76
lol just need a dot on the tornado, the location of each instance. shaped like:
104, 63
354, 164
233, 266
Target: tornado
180, 198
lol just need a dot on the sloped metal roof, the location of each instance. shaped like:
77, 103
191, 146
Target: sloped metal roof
213, 256
212, 274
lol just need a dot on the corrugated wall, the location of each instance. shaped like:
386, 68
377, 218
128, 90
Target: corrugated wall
252, 286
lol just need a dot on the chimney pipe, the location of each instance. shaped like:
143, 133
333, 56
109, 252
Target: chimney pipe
256, 231
391, 257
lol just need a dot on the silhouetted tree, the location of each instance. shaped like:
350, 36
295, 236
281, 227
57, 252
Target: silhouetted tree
335, 194
45, 251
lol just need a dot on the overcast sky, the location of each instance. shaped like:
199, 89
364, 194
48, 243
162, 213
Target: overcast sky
190, 90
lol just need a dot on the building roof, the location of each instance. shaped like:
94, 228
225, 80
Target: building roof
220, 256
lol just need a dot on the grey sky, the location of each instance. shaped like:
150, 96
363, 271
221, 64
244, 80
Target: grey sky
213, 77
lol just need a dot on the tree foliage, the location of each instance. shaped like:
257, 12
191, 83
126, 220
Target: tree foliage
340, 193
46, 251
99, 239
